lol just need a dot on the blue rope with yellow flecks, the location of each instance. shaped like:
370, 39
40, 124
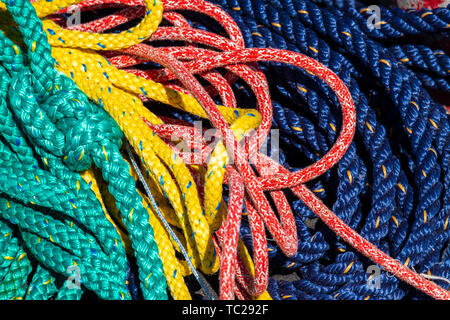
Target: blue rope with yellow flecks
385, 209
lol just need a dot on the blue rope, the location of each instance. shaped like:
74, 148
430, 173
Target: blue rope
356, 60
423, 58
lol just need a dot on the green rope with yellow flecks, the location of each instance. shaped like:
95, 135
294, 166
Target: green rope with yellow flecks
50, 131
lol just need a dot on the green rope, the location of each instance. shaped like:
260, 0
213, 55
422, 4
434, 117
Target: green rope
42, 286
50, 131
14, 265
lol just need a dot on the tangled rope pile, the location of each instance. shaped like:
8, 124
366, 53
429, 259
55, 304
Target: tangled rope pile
392, 197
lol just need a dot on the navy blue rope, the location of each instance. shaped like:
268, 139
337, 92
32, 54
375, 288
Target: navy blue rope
294, 34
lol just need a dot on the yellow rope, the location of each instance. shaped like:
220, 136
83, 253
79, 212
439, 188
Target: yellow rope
217, 164
97, 41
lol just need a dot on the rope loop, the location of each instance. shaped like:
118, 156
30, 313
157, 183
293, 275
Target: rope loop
65, 124
33, 119
89, 135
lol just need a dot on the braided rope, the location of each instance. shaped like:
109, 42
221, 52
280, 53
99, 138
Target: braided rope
369, 126
78, 158
319, 144
165, 182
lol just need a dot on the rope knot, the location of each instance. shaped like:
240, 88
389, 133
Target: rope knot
62, 121
87, 128
88, 137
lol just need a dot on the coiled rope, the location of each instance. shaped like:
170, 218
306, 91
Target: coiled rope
266, 182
